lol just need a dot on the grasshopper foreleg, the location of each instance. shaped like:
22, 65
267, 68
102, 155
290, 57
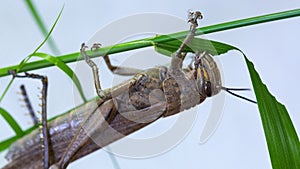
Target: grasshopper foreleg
125, 71
178, 56
94, 67
45, 135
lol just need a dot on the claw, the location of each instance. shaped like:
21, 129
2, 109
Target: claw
95, 46
194, 16
83, 47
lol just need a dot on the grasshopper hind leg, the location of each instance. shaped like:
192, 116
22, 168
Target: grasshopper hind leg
28, 105
46, 144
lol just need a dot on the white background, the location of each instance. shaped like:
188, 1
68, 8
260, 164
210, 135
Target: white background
239, 140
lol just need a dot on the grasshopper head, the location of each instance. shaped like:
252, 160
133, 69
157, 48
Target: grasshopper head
207, 74
208, 78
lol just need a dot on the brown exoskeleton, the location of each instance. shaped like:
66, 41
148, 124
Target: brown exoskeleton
149, 95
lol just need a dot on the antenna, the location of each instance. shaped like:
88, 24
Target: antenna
229, 90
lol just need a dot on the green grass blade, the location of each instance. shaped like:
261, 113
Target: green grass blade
48, 34
55, 61
6, 89
6, 143
72, 57
12, 122
65, 68
283, 142
197, 44
19, 67
249, 21
233, 24
41, 26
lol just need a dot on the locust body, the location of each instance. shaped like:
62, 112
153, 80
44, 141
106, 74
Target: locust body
154, 93
127, 107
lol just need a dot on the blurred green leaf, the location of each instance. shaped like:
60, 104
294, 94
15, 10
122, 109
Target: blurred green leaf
41, 25
12, 122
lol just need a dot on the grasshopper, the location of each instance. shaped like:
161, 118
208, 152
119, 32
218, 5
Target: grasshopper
149, 95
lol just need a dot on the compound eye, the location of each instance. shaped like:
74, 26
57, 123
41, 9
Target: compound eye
207, 89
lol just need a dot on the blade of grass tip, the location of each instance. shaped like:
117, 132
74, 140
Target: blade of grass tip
282, 139
42, 26
66, 69
24, 61
56, 61
51, 30
12, 122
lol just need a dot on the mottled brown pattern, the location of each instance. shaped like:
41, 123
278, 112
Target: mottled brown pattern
172, 93
154, 93
142, 89
26, 156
